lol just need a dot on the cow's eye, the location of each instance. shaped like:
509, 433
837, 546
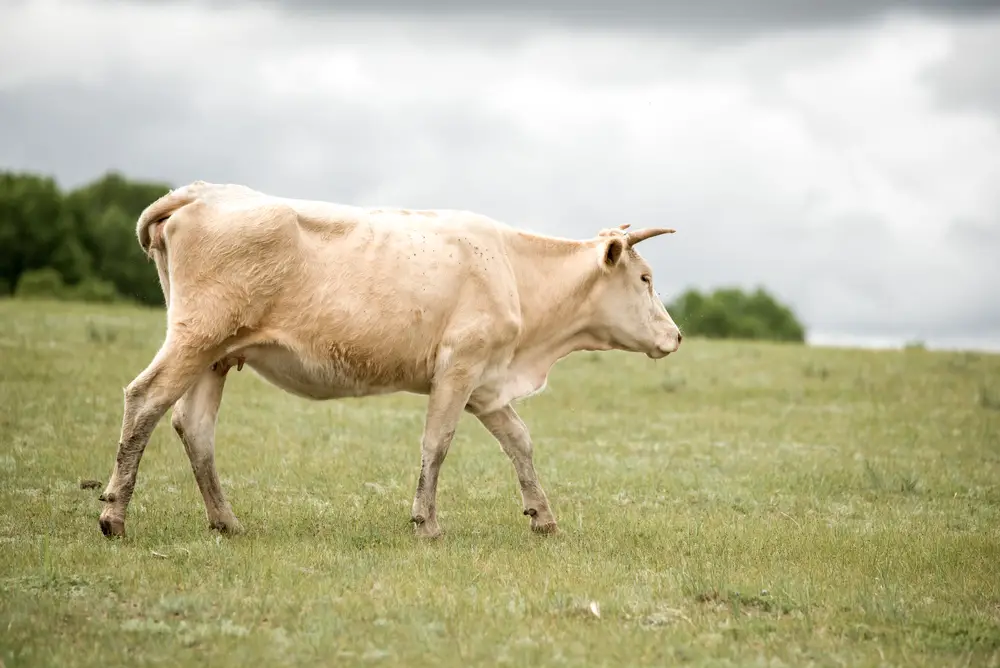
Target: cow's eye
646, 278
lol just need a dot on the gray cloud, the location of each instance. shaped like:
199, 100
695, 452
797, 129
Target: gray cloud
717, 16
967, 79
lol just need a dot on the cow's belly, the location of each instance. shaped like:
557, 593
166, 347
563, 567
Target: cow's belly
318, 378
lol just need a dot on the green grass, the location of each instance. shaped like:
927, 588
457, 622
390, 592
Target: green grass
735, 504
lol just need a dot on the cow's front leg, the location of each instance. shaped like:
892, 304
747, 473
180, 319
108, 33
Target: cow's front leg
512, 434
444, 408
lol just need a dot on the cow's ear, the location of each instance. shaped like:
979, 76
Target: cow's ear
612, 250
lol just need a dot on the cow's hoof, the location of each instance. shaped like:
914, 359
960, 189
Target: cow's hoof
425, 529
547, 528
230, 527
112, 527
425, 532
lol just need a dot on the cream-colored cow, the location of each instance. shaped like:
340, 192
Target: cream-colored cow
329, 301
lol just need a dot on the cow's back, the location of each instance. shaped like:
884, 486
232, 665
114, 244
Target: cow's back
365, 298
397, 285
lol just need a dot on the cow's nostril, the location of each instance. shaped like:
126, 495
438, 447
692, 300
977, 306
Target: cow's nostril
680, 337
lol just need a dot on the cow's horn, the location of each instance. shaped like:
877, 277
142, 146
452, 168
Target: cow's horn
636, 236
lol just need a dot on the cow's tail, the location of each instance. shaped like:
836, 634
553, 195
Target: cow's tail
149, 230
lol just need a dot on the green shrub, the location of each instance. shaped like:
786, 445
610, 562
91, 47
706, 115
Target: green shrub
93, 290
48, 284
730, 313
40, 284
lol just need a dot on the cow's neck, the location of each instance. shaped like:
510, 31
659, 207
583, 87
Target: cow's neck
554, 279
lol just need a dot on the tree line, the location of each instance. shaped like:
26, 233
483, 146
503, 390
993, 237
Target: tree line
80, 245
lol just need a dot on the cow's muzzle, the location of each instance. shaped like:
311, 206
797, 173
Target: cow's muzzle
666, 346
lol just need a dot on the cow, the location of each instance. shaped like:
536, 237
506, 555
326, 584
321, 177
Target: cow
327, 301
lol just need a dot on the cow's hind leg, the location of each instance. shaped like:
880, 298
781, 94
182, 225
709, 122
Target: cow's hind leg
194, 419
512, 434
147, 398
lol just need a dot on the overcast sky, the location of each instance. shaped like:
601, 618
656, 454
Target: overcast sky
846, 158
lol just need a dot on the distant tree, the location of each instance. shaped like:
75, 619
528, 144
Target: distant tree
105, 212
76, 245
730, 313
35, 231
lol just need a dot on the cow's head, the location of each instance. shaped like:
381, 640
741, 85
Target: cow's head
629, 314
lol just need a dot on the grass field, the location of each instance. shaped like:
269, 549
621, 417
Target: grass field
735, 504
